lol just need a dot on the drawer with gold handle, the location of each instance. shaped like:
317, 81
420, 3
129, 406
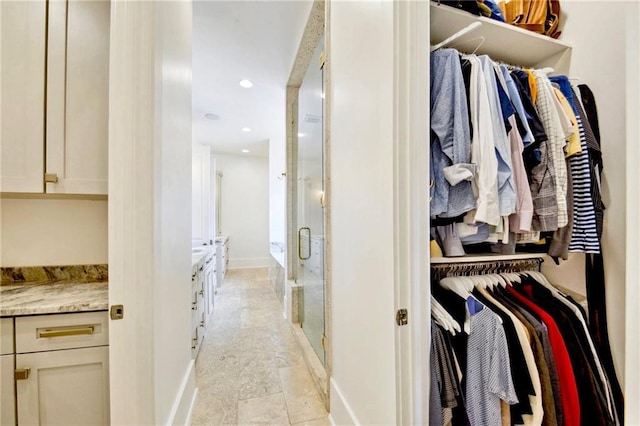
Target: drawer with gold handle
61, 331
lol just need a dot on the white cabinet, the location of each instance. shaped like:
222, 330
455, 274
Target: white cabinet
202, 226
78, 96
58, 131
198, 311
210, 270
64, 387
7, 391
63, 362
203, 285
222, 251
23, 63
7, 360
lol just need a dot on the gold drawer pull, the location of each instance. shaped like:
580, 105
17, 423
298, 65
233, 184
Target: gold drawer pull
65, 332
21, 373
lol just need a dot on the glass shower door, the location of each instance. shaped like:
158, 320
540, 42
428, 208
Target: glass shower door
310, 272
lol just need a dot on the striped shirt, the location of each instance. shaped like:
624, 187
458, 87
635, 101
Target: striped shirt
488, 370
584, 237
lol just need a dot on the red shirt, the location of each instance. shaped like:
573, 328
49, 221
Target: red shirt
568, 389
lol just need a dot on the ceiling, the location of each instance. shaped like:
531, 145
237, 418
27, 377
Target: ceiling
236, 40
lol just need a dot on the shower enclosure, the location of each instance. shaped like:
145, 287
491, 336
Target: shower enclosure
310, 205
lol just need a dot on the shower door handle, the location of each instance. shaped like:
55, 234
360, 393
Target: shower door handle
300, 243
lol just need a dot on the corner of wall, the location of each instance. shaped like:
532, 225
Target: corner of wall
341, 412
185, 399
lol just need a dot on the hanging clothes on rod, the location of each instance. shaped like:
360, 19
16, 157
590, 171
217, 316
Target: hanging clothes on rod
553, 374
507, 145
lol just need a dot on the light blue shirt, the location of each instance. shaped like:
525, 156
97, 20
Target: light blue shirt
450, 135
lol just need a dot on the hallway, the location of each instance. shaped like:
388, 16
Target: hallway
250, 369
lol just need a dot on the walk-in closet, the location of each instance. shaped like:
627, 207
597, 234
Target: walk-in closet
378, 127
573, 282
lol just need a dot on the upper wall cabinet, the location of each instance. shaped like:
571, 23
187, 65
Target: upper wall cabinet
22, 123
55, 99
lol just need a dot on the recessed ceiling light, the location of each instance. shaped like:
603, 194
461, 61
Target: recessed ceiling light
246, 84
246, 129
300, 135
245, 150
212, 116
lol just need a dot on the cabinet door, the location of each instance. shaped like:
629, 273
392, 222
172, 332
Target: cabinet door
68, 387
219, 261
22, 135
7, 391
78, 96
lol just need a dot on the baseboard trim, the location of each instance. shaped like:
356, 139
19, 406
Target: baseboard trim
185, 400
255, 262
191, 407
317, 370
341, 412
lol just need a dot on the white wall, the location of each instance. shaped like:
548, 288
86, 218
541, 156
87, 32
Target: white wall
363, 383
600, 62
245, 208
151, 371
53, 232
173, 365
277, 188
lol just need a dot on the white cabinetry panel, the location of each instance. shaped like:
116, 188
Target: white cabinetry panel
7, 391
23, 72
64, 387
78, 96
61, 48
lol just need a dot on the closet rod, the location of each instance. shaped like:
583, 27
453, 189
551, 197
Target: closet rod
486, 267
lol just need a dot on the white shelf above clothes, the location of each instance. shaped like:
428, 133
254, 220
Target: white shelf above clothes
502, 42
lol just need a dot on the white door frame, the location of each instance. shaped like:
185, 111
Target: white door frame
131, 243
411, 137
152, 378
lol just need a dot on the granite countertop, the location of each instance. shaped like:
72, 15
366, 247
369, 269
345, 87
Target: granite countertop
53, 298
53, 289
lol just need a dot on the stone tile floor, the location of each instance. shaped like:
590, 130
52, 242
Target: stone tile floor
250, 369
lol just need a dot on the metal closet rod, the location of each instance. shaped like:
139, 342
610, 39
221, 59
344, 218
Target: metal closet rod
486, 267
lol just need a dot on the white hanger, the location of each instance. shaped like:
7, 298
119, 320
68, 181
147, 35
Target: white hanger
481, 38
497, 280
502, 280
465, 30
511, 277
457, 285
486, 280
444, 318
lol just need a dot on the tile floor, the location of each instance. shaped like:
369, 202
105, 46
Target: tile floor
250, 369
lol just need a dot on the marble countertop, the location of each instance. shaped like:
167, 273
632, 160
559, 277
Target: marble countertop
52, 298
202, 253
